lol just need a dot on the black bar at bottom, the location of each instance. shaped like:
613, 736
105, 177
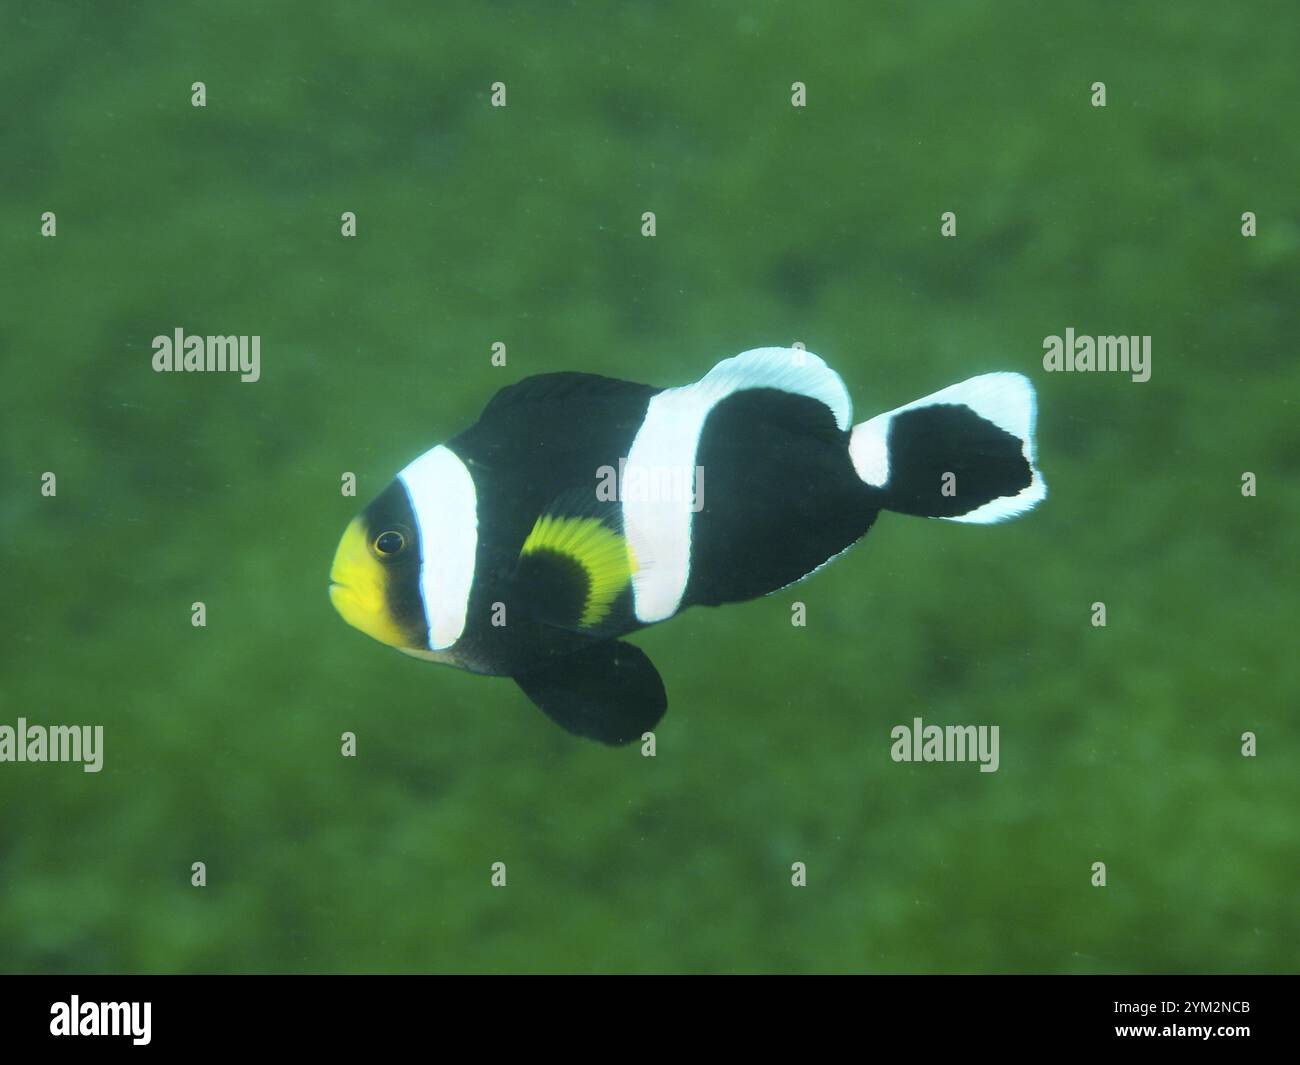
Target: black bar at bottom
342, 1013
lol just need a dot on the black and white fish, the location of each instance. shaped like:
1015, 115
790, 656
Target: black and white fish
580, 508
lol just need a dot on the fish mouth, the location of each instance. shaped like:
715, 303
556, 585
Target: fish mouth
358, 588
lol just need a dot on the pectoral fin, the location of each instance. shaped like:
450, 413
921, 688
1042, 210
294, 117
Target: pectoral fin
610, 692
575, 568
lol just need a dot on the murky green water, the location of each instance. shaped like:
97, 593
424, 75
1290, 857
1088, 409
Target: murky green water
522, 225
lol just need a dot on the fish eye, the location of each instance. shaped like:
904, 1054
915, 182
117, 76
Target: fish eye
389, 543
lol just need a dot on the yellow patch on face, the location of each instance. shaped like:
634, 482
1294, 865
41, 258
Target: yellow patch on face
358, 583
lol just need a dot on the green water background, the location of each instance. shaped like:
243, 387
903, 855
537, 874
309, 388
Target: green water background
522, 225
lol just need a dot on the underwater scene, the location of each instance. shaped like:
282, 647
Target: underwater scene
893, 572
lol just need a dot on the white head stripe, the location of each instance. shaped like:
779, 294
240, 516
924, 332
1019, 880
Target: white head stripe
659, 530
445, 505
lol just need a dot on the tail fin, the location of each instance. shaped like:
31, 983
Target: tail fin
965, 453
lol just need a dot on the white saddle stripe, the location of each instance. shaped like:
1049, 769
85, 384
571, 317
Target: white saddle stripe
665, 451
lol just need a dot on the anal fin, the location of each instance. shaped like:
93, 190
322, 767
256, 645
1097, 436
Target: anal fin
609, 692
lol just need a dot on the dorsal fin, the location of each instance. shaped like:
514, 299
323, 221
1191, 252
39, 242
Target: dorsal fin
557, 387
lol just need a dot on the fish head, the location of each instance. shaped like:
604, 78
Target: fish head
375, 577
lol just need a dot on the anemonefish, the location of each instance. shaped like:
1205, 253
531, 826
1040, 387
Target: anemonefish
579, 508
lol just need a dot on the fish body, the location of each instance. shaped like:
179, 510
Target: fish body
579, 509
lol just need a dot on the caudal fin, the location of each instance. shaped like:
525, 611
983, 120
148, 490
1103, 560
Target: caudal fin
965, 453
